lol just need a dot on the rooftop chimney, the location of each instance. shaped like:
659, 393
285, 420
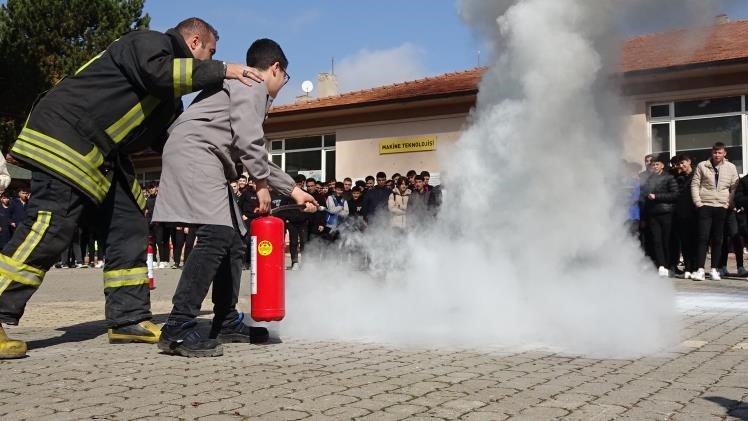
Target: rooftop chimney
327, 85
302, 98
721, 19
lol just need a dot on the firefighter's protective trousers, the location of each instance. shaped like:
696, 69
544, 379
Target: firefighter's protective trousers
53, 214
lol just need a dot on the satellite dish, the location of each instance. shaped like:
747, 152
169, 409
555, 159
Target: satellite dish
307, 86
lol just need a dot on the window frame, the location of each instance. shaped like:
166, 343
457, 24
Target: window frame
322, 150
672, 119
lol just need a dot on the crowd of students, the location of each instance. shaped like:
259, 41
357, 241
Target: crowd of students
681, 211
401, 202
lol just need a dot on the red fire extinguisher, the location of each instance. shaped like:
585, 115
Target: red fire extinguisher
268, 269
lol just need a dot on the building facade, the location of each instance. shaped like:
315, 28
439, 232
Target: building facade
686, 90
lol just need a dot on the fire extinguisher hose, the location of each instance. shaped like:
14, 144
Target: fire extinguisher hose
292, 207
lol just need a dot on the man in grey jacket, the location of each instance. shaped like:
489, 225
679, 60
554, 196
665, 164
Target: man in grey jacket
222, 127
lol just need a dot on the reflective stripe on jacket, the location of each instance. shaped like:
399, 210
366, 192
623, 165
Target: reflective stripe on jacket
121, 101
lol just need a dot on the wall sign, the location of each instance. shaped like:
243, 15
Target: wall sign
407, 144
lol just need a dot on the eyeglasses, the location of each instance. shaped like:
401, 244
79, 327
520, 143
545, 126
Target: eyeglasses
286, 76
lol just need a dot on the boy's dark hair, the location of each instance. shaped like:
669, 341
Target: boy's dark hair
264, 52
348, 179
419, 177
339, 185
381, 174
360, 183
411, 173
719, 145
425, 173
196, 25
396, 175
300, 178
683, 157
400, 181
243, 176
310, 179
369, 177
661, 158
356, 189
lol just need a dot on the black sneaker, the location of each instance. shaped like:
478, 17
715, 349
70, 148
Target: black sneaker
236, 331
185, 340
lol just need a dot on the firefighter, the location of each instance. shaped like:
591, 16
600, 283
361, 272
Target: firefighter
76, 142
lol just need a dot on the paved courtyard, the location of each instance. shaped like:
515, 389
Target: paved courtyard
73, 373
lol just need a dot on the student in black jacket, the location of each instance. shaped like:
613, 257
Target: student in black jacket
741, 206
686, 221
376, 199
659, 194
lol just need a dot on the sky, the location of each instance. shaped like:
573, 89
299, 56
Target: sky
373, 43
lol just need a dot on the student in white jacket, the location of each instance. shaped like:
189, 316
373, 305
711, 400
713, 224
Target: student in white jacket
712, 187
4, 175
398, 204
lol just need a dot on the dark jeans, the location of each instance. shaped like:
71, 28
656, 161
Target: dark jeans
686, 225
645, 240
711, 227
660, 226
162, 234
295, 239
732, 238
217, 259
89, 240
72, 254
182, 240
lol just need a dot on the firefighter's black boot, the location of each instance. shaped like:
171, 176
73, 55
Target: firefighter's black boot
144, 331
186, 340
10, 348
236, 331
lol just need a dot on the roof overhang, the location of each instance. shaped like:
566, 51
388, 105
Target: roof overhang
375, 111
690, 77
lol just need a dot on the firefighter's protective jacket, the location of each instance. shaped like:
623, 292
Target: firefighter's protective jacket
120, 102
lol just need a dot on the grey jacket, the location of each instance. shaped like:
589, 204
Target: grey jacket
220, 129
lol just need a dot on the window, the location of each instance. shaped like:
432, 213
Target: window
660, 139
146, 177
313, 156
707, 106
303, 143
657, 111
696, 125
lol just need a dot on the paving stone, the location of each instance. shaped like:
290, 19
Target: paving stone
484, 416
73, 373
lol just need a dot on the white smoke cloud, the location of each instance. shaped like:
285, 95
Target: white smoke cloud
537, 256
371, 68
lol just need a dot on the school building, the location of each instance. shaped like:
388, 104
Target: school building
686, 90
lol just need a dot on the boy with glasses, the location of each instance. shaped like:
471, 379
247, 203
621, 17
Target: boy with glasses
222, 128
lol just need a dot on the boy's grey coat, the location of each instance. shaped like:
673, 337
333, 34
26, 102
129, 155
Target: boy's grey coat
220, 128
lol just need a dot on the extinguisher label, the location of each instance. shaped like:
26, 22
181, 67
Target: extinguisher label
253, 268
265, 248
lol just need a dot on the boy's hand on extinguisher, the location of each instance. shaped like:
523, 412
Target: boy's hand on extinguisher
303, 198
263, 196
